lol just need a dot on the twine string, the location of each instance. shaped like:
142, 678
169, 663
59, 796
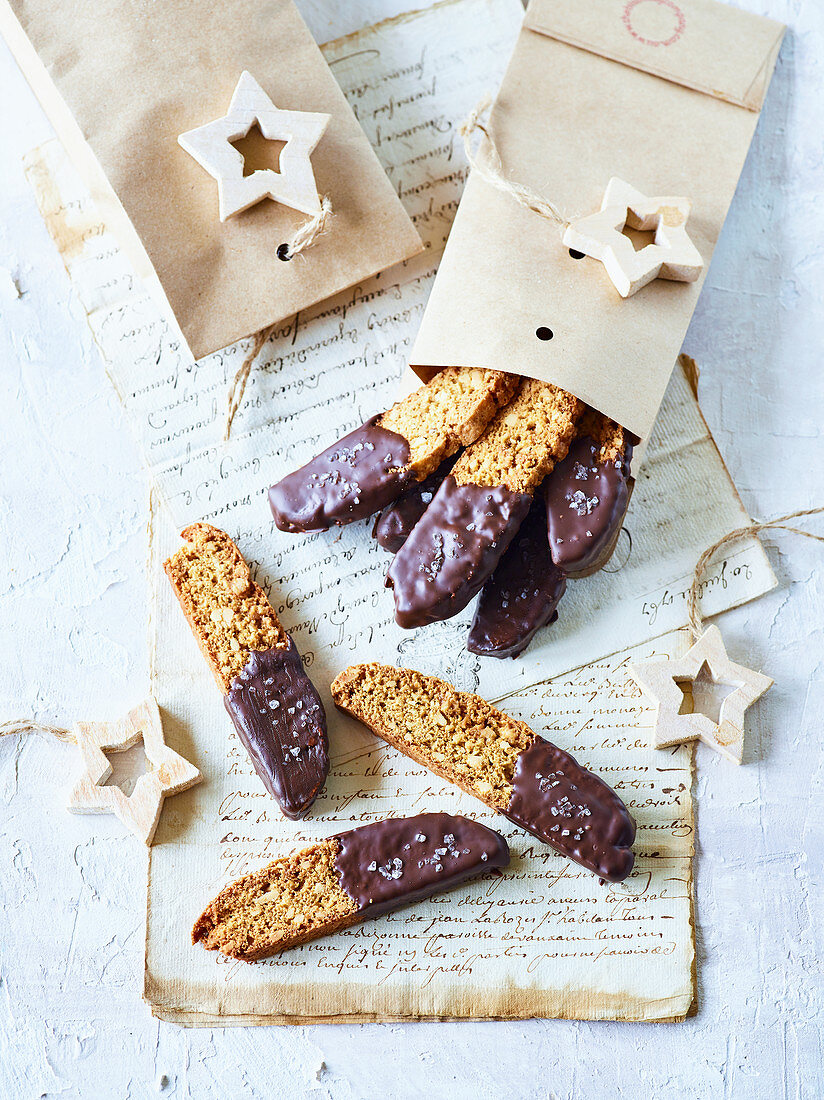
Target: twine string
238, 386
28, 725
780, 523
302, 238
307, 233
492, 170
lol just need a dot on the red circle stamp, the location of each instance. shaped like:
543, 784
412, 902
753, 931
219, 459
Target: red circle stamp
654, 22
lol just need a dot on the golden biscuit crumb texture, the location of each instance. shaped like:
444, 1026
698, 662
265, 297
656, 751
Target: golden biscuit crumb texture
611, 437
229, 614
448, 412
524, 441
289, 902
453, 733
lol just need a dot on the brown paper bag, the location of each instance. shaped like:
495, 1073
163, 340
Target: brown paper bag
120, 80
662, 94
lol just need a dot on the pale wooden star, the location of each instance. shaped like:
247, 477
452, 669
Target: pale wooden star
671, 256
168, 774
661, 681
211, 146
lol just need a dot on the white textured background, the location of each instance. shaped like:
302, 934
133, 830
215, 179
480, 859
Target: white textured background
72, 645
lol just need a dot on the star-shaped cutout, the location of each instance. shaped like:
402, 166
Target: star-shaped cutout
672, 255
211, 146
168, 772
662, 680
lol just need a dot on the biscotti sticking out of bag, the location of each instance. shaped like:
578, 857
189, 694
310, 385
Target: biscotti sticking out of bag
522, 594
344, 880
397, 521
587, 495
276, 711
370, 467
496, 759
479, 507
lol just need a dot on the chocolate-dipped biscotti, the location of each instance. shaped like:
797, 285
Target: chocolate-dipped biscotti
587, 495
371, 466
480, 505
496, 759
346, 879
571, 531
522, 594
275, 709
397, 521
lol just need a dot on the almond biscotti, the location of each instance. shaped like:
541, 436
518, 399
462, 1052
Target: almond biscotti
502, 762
275, 709
587, 495
364, 471
522, 594
346, 879
480, 505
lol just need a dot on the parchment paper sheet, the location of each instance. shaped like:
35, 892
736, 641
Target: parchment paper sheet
578, 105
623, 952
167, 68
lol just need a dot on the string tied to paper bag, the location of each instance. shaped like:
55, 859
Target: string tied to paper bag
303, 238
307, 233
600, 235
696, 622
492, 170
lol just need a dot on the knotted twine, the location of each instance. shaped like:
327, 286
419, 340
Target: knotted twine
303, 237
492, 170
696, 622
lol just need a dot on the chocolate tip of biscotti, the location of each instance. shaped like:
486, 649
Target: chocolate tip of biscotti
397, 521
392, 862
280, 720
563, 803
453, 550
521, 595
586, 501
352, 479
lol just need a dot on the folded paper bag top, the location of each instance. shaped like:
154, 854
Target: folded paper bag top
664, 94
167, 68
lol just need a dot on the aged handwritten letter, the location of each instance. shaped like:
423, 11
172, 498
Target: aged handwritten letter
544, 938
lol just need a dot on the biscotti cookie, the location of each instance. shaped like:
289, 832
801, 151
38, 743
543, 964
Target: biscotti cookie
349, 878
369, 467
275, 709
462, 738
587, 495
395, 523
481, 504
522, 594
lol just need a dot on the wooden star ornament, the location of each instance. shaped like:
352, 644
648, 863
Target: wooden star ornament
679, 686
168, 772
211, 146
672, 255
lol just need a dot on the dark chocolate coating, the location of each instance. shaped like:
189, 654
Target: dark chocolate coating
392, 862
394, 525
281, 723
453, 550
350, 480
586, 501
521, 595
573, 810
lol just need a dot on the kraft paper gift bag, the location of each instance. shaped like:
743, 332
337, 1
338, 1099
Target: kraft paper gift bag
664, 95
121, 80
